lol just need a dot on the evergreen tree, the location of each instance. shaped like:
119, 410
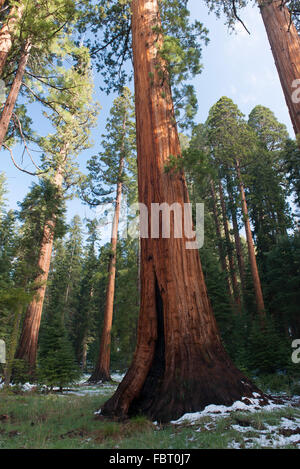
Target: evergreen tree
290, 158
115, 169
232, 142
283, 36
72, 125
82, 321
57, 366
266, 184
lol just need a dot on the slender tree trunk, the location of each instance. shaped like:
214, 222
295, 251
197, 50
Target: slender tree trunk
6, 34
179, 364
285, 44
13, 345
219, 241
102, 370
14, 93
27, 349
237, 238
252, 258
84, 354
234, 282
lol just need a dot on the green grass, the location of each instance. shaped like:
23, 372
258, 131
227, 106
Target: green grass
32, 420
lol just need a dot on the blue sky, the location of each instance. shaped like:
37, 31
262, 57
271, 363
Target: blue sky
235, 65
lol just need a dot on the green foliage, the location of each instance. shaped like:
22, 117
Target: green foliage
83, 318
210, 159
267, 189
271, 133
48, 78
126, 305
282, 271
290, 157
56, 361
117, 162
111, 48
232, 9
267, 351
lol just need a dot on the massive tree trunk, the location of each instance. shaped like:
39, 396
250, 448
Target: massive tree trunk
27, 349
6, 34
102, 370
179, 364
285, 44
14, 92
219, 240
252, 258
234, 282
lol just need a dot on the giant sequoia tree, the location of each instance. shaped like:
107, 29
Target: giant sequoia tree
180, 364
231, 142
278, 17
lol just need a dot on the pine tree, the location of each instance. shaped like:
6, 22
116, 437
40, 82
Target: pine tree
56, 362
82, 321
40, 39
72, 129
116, 162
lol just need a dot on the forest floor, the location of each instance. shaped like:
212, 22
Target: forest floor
69, 420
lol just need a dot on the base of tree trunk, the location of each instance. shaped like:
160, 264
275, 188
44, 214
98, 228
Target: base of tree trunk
99, 376
191, 395
199, 376
171, 398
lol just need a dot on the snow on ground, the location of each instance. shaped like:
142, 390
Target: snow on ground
246, 404
287, 432
81, 388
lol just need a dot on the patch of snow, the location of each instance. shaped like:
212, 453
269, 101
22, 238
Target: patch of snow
216, 411
286, 423
233, 445
117, 376
28, 387
272, 436
241, 429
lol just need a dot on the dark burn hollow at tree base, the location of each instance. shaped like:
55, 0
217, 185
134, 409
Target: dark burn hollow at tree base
209, 378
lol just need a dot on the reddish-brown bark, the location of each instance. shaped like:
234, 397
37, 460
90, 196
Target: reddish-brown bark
6, 34
14, 93
179, 364
252, 258
285, 44
237, 239
219, 240
234, 281
102, 370
27, 348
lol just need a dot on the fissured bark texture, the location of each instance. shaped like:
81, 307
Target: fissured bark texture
180, 364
